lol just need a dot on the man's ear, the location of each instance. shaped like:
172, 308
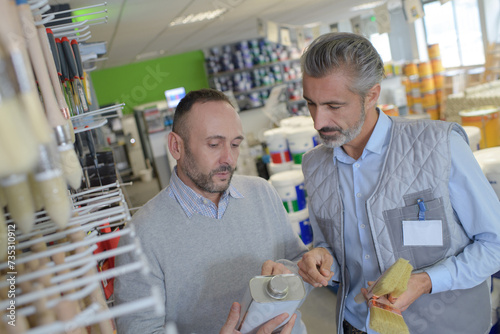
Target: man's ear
175, 145
372, 96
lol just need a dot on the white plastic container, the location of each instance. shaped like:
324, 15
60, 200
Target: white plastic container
277, 145
474, 134
489, 160
301, 140
290, 187
268, 297
301, 226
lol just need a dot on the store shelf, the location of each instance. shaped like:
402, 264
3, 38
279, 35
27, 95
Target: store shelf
254, 67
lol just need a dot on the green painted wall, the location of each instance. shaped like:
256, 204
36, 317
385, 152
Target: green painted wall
146, 81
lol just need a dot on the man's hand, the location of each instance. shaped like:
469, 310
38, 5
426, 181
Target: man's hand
418, 284
273, 268
234, 315
314, 267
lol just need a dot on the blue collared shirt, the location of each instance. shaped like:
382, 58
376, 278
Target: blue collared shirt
472, 198
192, 202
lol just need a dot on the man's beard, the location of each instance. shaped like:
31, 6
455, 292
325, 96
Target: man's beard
205, 181
342, 136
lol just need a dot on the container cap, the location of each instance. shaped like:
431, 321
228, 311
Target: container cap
280, 132
287, 177
277, 287
478, 111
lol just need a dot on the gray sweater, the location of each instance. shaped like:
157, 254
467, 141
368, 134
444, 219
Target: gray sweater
203, 265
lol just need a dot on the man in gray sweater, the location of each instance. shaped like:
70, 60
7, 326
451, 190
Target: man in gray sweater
209, 232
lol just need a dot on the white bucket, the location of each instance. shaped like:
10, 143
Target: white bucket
489, 160
301, 226
296, 121
474, 134
277, 145
301, 140
290, 187
278, 168
146, 175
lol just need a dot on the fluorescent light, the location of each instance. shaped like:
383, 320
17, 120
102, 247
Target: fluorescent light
365, 6
203, 16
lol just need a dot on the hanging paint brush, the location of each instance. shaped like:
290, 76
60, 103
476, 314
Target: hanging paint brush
20, 202
48, 174
74, 74
71, 166
17, 141
57, 62
65, 78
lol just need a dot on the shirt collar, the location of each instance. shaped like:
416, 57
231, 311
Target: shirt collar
189, 199
378, 138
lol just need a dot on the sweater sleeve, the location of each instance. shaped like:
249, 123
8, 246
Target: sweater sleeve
136, 285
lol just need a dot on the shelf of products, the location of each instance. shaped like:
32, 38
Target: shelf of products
250, 69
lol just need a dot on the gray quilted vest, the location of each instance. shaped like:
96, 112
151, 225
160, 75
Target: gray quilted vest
417, 165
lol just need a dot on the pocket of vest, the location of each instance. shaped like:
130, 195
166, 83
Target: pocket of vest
419, 256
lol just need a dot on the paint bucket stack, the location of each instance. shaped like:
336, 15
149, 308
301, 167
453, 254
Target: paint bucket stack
412, 84
437, 74
290, 188
300, 140
281, 159
428, 89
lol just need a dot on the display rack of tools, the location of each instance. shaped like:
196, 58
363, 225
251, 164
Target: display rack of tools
59, 231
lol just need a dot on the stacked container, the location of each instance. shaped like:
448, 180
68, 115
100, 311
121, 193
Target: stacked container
412, 84
437, 74
428, 89
291, 189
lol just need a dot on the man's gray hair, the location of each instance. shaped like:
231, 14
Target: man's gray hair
347, 52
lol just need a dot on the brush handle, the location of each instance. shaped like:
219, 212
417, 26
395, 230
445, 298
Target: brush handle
62, 60
38, 61
78, 57
51, 66
70, 58
53, 48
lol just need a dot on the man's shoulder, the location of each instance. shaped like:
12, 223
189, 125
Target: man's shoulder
155, 211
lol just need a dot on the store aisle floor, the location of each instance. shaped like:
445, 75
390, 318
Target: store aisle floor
318, 310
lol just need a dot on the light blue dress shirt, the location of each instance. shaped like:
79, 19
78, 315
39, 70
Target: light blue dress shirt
472, 198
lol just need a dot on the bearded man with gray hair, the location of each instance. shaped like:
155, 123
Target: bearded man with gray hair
382, 188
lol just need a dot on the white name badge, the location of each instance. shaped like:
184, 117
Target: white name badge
422, 232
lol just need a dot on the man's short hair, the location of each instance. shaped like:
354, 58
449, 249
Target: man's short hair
185, 105
347, 52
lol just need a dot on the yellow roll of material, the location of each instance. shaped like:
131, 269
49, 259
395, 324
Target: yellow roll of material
433, 50
433, 112
437, 65
439, 80
410, 69
429, 99
424, 69
426, 84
